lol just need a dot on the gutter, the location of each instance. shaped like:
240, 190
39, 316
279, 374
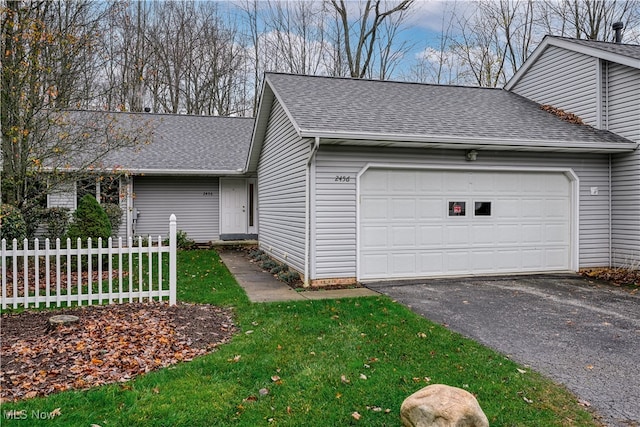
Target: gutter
307, 211
133, 172
488, 143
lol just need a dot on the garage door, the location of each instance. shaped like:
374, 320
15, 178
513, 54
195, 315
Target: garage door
420, 223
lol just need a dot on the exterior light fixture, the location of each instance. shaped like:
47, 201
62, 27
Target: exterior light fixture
471, 155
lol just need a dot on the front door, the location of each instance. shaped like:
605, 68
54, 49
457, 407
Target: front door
233, 206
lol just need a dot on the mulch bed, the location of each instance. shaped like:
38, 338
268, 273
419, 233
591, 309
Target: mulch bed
109, 344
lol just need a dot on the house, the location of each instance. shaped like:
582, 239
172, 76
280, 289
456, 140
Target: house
365, 180
351, 180
192, 166
600, 82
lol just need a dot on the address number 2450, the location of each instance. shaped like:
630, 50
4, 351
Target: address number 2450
342, 178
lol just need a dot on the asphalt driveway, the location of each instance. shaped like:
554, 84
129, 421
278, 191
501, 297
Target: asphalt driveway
582, 334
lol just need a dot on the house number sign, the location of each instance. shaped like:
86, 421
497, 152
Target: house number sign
207, 193
342, 178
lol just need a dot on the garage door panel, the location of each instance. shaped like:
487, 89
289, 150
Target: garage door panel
507, 209
457, 235
375, 264
508, 234
406, 229
432, 183
455, 183
431, 236
403, 263
402, 181
403, 236
374, 237
531, 233
430, 209
457, 262
533, 208
374, 208
403, 209
483, 234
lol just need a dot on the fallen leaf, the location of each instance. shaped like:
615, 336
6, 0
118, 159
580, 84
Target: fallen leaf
275, 378
522, 371
344, 379
363, 377
355, 416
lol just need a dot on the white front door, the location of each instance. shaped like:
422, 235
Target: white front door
233, 205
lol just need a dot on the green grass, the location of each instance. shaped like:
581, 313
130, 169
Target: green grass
319, 350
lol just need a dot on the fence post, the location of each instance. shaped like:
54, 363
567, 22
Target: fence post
172, 259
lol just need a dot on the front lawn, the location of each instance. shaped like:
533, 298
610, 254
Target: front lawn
309, 363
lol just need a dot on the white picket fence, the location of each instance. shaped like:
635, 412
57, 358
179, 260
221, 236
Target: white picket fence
56, 276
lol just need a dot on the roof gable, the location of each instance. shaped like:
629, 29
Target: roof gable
625, 54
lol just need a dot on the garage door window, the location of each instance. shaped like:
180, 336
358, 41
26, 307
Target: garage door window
457, 208
482, 209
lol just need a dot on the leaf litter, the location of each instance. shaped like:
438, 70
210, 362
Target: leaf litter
109, 344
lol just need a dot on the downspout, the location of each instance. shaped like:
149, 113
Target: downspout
610, 216
307, 210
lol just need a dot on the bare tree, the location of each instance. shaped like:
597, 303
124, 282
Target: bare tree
47, 68
357, 37
588, 19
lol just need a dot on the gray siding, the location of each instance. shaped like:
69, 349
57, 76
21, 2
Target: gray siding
334, 255
281, 192
622, 115
621, 99
194, 201
564, 79
626, 210
63, 197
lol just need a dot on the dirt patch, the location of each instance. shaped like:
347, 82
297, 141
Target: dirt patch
109, 344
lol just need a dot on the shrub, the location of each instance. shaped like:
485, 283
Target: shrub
279, 269
89, 220
268, 264
114, 213
57, 222
183, 241
255, 253
289, 277
12, 224
33, 216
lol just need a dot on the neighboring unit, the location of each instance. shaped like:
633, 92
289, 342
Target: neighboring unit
192, 166
600, 82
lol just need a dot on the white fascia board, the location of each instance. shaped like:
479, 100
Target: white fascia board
184, 172
125, 171
489, 143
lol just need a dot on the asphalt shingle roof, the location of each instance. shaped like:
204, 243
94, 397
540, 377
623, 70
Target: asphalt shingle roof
325, 104
630, 50
181, 142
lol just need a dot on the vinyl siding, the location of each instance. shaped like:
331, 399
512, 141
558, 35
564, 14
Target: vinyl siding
281, 193
564, 79
334, 254
194, 201
626, 210
622, 100
622, 115
63, 197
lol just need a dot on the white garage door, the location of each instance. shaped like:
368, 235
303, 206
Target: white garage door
420, 223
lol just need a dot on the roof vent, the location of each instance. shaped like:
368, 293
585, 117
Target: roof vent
617, 28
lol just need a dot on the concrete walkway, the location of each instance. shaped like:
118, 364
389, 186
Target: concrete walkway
262, 286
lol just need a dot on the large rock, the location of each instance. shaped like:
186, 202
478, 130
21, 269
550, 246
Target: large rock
440, 405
